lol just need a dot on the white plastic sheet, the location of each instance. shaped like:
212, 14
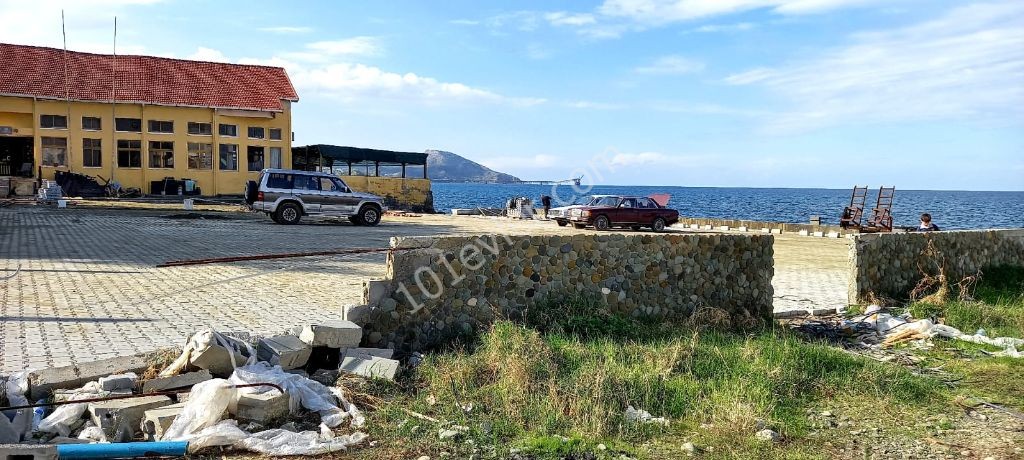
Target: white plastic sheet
206, 405
275, 442
19, 421
302, 391
61, 419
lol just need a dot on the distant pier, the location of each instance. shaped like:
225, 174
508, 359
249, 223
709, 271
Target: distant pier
574, 181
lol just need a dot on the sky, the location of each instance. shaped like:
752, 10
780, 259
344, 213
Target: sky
737, 93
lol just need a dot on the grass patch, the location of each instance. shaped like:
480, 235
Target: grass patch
998, 306
571, 371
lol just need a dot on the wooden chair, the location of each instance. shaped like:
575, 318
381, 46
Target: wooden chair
854, 213
881, 214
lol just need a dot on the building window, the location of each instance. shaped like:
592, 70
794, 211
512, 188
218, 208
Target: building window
275, 157
200, 129
161, 154
53, 121
275, 134
128, 125
229, 157
256, 132
55, 151
200, 156
92, 153
228, 130
91, 124
254, 158
157, 126
129, 154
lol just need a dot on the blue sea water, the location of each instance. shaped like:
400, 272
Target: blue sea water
949, 209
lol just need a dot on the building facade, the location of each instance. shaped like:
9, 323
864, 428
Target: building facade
137, 120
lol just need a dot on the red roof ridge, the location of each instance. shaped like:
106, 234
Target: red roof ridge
144, 56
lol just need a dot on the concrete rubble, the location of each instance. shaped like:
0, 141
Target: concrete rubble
266, 384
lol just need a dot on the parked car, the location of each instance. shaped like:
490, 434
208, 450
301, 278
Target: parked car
561, 214
624, 211
286, 195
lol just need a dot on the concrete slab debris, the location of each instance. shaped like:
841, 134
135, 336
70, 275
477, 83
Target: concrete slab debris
386, 353
118, 382
371, 366
286, 351
334, 334
217, 360
28, 451
44, 381
176, 381
120, 416
156, 421
262, 407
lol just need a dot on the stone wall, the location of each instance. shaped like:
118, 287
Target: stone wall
890, 265
437, 288
757, 225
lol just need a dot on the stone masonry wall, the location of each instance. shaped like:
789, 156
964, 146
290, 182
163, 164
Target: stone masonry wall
890, 265
455, 286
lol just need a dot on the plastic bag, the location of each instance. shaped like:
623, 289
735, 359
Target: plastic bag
61, 419
224, 433
640, 415
20, 420
279, 442
92, 433
301, 391
205, 406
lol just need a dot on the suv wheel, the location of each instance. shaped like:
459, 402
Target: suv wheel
288, 214
251, 191
369, 215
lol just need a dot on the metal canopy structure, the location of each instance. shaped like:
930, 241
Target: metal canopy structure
322, 157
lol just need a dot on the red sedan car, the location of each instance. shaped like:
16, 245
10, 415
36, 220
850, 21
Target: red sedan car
624, 211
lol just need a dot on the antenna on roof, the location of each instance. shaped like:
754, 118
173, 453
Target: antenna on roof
113, 103
67, 86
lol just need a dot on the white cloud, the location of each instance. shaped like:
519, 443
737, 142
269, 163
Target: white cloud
671, 65
355, 46
712, 28
208, 54
655, 12
967, 64
562, 18
89, 25
286, 29
620, 160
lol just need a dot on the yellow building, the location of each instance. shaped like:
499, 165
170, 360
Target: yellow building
137, 120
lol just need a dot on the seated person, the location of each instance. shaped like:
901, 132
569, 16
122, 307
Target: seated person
926, 224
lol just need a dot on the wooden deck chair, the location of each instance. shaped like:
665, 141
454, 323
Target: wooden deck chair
854, 213
881, 214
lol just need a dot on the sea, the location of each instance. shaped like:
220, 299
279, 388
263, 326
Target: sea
949, 209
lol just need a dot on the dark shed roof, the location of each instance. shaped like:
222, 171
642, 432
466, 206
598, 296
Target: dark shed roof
356, 155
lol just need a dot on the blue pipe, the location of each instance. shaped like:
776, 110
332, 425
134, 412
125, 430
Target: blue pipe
122, 450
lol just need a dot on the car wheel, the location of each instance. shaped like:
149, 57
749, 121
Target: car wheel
288, 214
579, 226
562, 223
658, 225
369, 215
251, 191
602, 223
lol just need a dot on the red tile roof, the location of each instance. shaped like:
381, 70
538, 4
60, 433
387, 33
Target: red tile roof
37, 71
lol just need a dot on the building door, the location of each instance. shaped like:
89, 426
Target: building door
16, 158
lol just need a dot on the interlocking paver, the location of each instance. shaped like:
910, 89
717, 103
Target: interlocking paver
88, 287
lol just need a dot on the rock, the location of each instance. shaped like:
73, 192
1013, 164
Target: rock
826, 414
601, 447
451, 433
689, 448
118, 382
123, 416
156, 421
284, 350
768, 436
333, 334
218, 359
176, 381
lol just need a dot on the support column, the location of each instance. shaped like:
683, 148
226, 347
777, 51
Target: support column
403, 170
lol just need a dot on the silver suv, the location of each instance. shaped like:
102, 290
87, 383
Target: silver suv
286, 195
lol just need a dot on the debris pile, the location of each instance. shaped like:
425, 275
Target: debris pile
220, 391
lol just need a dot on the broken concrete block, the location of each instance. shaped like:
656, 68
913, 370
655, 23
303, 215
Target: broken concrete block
217, 360
818, 234
176, 381
156, 421
370, 367
65, 395
766, 230
694, 226
741, 228
286, 351
123, 416
368, 352
334, 334
44, 381
118, 382
723, 228
262, 407
28, 451
834, 234
804, 233
375, 291
708, 227
358, 314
